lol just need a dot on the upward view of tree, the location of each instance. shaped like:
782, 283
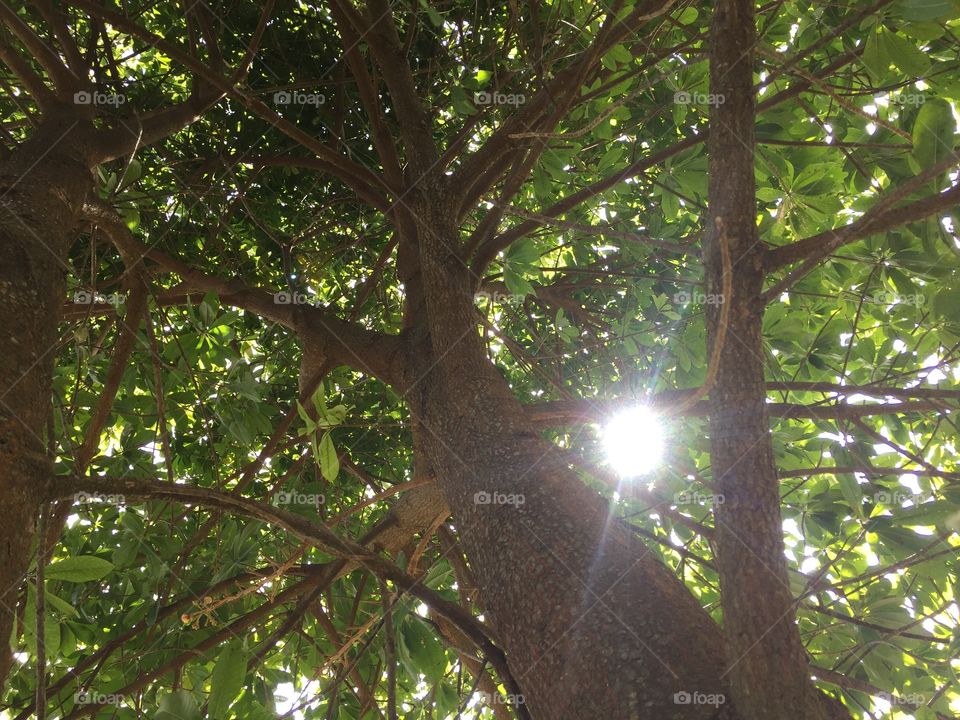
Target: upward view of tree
543, 360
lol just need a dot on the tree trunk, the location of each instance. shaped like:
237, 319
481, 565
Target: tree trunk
43, 184
593, 625
769, 673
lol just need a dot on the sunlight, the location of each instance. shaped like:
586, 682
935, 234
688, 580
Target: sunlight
633, 441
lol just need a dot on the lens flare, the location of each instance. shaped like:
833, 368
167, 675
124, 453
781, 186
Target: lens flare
633, 440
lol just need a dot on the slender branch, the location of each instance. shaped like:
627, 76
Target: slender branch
382, 139
389, 651
674, 404
374, 197
318, 535
411, 113
721, 332
321, 331
135, 310
657, 159
42, 95
64, 80
602, 229
874, 626
244, 67
346, 170
868, 471
880, 218
929, 393
57, 20
553, 96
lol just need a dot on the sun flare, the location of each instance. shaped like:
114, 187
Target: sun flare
633, 440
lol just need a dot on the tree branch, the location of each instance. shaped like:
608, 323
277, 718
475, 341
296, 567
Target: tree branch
318, 535
64, 80
320, 330
503, 241
554, 97
345, 169
42, 95
411, 114
57, 20
868, 471
880, 218
563, 412
369, 98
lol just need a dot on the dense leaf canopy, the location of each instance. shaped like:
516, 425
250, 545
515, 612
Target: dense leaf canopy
591, 299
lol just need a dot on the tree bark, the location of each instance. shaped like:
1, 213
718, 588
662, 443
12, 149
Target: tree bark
593, 625
768, 670
43, 184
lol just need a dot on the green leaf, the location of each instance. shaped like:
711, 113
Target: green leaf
131, 174
933, 133
51, 628
327, 457
60, 604
81, 568
227, 678
309, 423
946, 304
517, 284
523, 252
928, 9
178, 705
434, 16
876, 56
852, 492
423, 649
618, 54
908, 57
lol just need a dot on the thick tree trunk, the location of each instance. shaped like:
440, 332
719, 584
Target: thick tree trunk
593, 625
769, 671
43, 184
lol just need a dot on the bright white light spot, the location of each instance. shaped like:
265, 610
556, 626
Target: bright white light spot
633, 441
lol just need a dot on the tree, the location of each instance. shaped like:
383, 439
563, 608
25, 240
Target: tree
364, 313
46, 179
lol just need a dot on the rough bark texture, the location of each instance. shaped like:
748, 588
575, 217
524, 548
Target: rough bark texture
768, 667
43, 184
593, 625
